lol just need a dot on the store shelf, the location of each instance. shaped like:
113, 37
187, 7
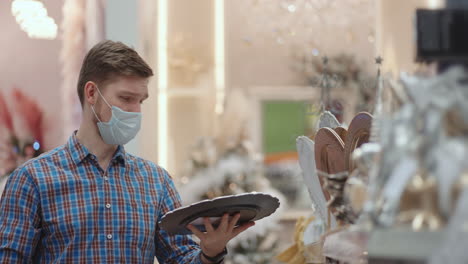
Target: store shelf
402, 246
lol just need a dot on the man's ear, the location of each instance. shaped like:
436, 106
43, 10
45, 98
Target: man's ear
90, 92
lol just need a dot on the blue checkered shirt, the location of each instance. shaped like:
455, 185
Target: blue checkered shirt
62, 207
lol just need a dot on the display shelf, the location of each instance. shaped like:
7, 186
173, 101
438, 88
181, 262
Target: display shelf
402, 246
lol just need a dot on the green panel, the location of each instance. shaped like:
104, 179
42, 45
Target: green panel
283, 122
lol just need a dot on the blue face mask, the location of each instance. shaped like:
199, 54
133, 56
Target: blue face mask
121, 128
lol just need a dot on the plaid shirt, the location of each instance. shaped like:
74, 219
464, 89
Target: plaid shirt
62, 207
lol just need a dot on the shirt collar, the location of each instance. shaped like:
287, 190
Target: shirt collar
79, 152
119, 155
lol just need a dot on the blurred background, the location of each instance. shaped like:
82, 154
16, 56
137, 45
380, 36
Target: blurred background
236, 82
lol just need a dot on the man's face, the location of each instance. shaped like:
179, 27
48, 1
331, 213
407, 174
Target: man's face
127, 93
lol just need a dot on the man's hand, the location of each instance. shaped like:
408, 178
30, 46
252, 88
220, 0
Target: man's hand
213, 241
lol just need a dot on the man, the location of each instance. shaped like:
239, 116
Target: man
89, 201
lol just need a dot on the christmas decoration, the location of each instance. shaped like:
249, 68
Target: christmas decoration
227, 165
185, 61
298, 21
21, 135
340, 74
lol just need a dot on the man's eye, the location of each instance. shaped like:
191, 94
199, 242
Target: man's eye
125, 98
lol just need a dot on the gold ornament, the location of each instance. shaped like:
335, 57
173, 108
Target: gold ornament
299, 253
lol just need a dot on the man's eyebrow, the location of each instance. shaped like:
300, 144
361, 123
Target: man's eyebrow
145, 96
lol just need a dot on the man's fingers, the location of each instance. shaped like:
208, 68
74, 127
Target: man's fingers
233, 222
242, 228
208, 225
224, 223
196, 232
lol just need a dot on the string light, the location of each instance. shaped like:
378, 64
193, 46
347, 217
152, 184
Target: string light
36, 145
32, 17
434, 4
219, 51
162, 84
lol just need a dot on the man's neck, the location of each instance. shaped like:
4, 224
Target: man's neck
88, 135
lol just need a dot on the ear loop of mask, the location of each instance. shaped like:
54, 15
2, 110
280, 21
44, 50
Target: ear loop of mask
92, 107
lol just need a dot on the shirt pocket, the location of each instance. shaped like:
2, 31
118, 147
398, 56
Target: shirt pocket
141, 222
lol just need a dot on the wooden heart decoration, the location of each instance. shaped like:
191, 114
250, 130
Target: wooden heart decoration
328, 144
329, 153
342, 132
358, 134
333, 150
334, 147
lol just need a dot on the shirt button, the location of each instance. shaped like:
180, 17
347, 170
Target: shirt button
109, 236
108, 206
106, 178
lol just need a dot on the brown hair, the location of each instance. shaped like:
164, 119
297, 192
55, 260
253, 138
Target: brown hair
107, 60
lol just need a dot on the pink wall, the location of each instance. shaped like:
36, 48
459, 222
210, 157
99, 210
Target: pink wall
33, 66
